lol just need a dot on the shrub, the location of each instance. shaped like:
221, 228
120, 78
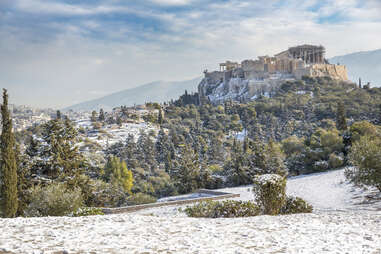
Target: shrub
269, 190
365, 155
321, 165
106, 195
87, 211
296, 205
335, 161
140, 199
363, 128
224, 209
54, 200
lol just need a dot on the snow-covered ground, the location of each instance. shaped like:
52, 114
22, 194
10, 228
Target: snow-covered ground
338, 225
350, 232
111, 134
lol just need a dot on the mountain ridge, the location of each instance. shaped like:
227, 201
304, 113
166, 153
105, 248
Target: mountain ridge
157, 91
364, 64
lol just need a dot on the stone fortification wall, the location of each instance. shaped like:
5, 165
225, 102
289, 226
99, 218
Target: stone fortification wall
331, 70
323, 70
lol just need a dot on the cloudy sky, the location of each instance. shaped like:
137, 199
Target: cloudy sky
54, 53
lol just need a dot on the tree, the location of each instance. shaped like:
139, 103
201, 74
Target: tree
117, 173
56, 154
58, 116
93, 116
341, 122
160, 118
9, 196
186, 172
365, 155
101, 117
162, 146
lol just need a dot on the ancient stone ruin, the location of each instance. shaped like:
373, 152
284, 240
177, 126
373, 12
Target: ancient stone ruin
245, 80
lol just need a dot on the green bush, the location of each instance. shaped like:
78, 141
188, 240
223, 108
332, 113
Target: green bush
53, 200
269, 191
87, 211
224, 209
140, 199
296, 205
365, 155
106, 195
335, 161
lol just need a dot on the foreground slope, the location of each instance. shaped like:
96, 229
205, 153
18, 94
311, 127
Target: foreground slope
350, 232
338, 225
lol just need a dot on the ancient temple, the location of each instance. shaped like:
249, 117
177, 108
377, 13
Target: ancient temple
310, 54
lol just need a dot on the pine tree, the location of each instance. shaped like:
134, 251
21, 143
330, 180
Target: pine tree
9, 196
187, 171
341, 122
57, 154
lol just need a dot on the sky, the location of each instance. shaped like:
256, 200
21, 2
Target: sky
56, 53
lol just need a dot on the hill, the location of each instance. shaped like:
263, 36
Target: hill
159, 91
366, 65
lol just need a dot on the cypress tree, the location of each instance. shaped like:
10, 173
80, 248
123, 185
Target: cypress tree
160, 117
8, 163
101, 117
341, 122
58, 116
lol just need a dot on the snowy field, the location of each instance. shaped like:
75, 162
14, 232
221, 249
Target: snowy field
344, 221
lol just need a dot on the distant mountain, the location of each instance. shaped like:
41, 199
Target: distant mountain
159, 91
365, 65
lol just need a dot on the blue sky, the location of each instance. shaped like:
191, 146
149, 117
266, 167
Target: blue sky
59, 52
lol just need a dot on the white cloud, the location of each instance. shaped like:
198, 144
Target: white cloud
171, 2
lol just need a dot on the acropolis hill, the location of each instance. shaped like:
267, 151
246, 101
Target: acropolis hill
247, 80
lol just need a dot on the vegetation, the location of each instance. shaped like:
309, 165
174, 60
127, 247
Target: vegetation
270, 193
306, 126
224, 209
140, 199
54, 200
117, 173
296, 205
8, 164
366, 157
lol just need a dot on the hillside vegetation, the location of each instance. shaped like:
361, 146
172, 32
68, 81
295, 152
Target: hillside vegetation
303, 127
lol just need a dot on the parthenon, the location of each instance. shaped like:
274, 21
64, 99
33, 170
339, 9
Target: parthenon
308, 53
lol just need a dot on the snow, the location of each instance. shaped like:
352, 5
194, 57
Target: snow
341, 223
111, 134
266, 178
128, 233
